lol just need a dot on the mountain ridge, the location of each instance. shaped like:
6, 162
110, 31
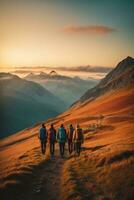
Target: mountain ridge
113, 80
69, 89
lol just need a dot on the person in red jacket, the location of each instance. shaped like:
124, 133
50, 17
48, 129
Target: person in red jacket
52, 140
70, 138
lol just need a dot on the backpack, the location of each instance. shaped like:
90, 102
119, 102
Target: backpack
52, 134
62, 134
43, 134
70, 133
79, 135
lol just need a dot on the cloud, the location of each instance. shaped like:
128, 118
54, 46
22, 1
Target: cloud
95, 29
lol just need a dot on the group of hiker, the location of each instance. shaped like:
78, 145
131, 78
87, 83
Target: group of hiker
72, 136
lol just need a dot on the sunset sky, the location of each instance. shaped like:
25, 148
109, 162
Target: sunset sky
65, 32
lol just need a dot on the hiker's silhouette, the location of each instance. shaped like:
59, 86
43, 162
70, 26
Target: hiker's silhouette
43, 138
78, 139
70, 132
62, 138
52, 140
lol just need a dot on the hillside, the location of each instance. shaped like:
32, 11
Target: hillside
104, 171
29, 101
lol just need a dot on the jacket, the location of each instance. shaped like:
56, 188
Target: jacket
52, 135
78, 135
43, 134
61, 135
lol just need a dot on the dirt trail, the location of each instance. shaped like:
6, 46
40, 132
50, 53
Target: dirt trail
47, 179
47, 182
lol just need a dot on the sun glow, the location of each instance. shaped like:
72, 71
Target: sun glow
39, 33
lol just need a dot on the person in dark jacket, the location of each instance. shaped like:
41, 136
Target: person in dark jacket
43, 138
70, 138
78, 139
62, 138
52, 140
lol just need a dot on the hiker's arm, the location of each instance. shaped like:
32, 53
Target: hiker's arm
57, 135
82, 137
66, 134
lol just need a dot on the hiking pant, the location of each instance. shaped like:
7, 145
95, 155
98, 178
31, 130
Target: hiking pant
62, 148
52, 148
70, 146
78, 148
43, 146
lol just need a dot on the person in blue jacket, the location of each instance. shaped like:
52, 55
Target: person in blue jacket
43, 138
61, 138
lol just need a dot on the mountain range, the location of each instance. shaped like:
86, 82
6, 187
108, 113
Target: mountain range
24, 103
68, 89
87, 68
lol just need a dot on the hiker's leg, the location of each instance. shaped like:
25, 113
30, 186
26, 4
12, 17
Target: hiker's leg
60, 147
63, 147
45, 147
41, 142
79, 148
71, 147
74, 146
68, 146
50, 148
53, 148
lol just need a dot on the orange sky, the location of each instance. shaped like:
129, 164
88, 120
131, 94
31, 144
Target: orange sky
61, 33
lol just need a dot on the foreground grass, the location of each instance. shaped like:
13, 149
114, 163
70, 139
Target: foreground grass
103, 171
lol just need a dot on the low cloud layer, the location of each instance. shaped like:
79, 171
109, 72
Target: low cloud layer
95, 29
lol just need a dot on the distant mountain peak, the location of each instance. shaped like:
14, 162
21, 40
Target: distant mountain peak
42, 74
4, 75
31, 73
53, 73
129, 58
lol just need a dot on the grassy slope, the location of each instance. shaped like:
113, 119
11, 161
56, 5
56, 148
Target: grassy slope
105, 168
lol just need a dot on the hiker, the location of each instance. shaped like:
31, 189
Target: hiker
52, 140
61, 138
70, 138
78, 139
43, 138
